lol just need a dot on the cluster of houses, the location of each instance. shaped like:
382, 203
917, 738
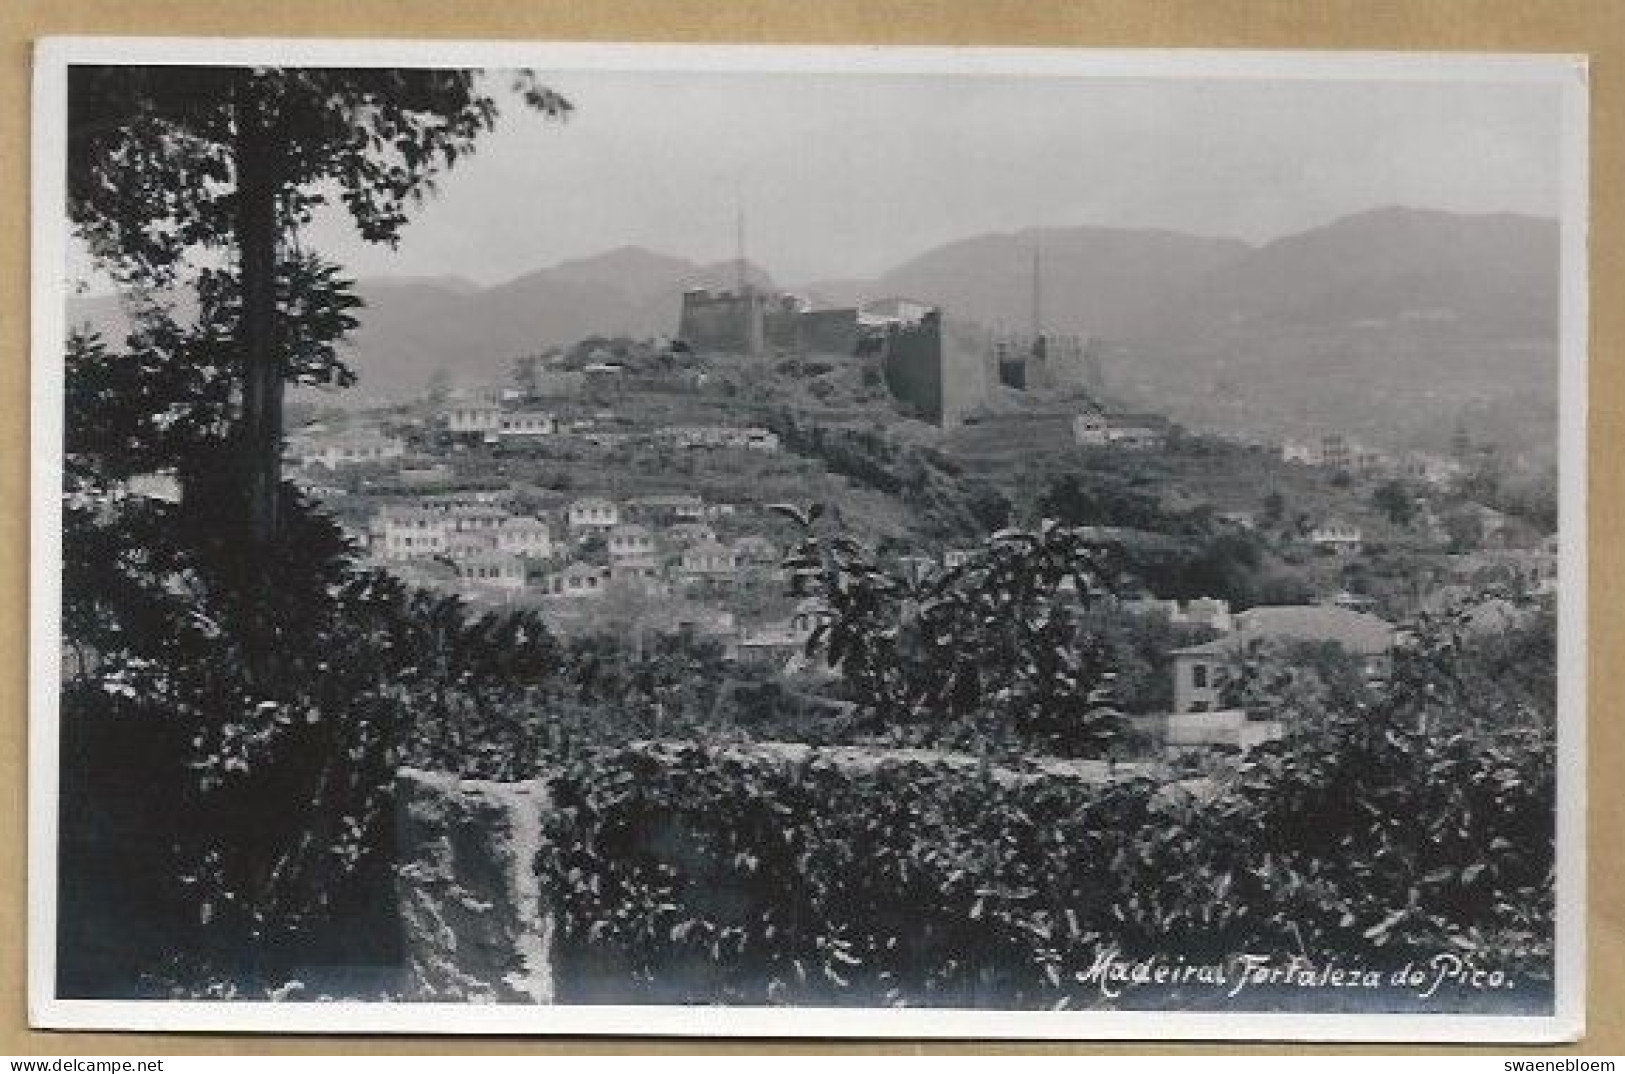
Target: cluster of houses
349, 447
494, 422
1339, 453
688, 557
652, 543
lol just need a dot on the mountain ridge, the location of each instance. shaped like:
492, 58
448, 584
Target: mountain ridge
1395, 292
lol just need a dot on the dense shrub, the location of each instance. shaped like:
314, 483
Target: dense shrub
702, 875
231, 726
990, 654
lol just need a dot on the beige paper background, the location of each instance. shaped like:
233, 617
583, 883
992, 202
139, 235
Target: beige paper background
1596, 27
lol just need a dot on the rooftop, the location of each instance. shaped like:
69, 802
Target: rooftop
1358, 632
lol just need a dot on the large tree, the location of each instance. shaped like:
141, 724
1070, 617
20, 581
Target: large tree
176, 171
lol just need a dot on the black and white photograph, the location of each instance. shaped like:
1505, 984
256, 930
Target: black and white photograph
807, 541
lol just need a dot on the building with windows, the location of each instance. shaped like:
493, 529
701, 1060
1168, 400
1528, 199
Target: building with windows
492, 570
527, 423
527, 537
1201, 672
1096, 429
684, 534
474, 419
405, 534
593, 513
578, 580
756, 554
630, 541
664, 510
708, 560
1338, 538
640, 571
333, 450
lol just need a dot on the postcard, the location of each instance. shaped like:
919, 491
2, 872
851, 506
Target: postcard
779, 541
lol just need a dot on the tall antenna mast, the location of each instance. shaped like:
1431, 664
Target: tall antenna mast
1038, 292
741, 279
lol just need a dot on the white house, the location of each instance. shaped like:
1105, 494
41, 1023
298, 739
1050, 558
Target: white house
469, 544
492, 569
346, 449
756, 553
527, 423
683, 534
1336, 537
630, 541
887, 312
474, 418
408, 534
1198, 611
1095, 429
664, 509
1298, 451
527, 537
593, 513
1201, 671
708, 559
641, 571
761, 440
476, 519
579, 580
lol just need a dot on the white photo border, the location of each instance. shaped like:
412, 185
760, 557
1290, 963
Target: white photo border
52, 58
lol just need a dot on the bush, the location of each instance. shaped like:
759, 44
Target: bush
694, 875
231, 727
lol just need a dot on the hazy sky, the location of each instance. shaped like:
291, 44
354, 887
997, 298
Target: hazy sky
847, 176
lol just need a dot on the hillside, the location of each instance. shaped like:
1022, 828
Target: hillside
1391, 324
1492, 276
1095, 280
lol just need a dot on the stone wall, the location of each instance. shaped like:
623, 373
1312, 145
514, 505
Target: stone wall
827, 331
478, 927
729, 322
475, 923
940, 370
913, 368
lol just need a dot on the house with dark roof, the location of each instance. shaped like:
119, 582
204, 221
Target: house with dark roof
1200, 671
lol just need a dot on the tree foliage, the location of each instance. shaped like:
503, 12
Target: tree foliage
236, 707
170, 168
989, 653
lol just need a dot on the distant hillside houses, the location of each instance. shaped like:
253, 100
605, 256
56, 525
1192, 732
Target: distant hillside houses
1337, 452
411, 532
630, 541
578, 580
1099, 429
490, 569
1337, 538
708, 561
488, 421
593, 513
406, 534
344, 448
664, 510
781, 644
749, 438
527, 537
480, 545
1207, 612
